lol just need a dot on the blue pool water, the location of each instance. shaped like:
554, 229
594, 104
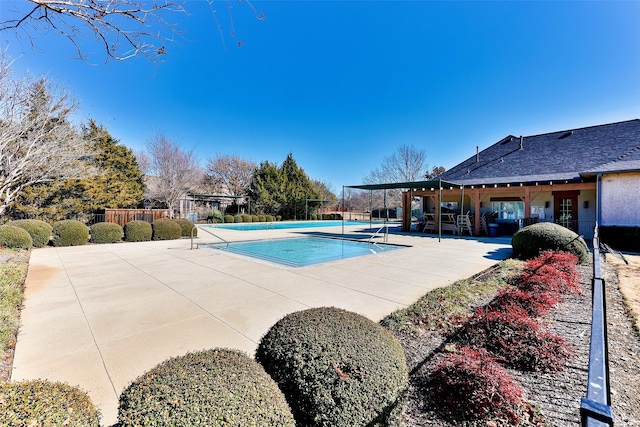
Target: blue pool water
304, 251
248, 226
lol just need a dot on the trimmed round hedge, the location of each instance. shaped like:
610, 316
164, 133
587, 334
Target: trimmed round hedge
336, 368
15, 237
137, 231
229, 218
166, 229
69, 232
39, 231
218, 387
105, 232
530, 241
46, 404
186, 227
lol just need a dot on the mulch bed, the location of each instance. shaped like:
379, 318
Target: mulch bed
556, 394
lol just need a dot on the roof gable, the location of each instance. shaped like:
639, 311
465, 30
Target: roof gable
561, 155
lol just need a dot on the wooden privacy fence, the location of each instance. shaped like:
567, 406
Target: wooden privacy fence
123, 216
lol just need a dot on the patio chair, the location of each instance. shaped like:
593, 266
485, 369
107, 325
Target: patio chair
464, 224
449, 223
429, 223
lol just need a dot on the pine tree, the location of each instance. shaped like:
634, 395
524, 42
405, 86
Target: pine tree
116, 182
119, 183
283, 190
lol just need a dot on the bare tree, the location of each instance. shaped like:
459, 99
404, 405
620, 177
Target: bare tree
230, 174
436, 171
326, 192
37, 142
124, 28
174, 171
143, 160
407, 164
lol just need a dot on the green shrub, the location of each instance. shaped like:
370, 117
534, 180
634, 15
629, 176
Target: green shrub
165, 229
239, 218
336, 368
262, 218
314, 217
39, 231
216, 216
69, 232
105, 232
269, 218
44, 403
254, 218
207, 388
278, 217
186, 227
15, 237
530, 241
138, 231
229, 219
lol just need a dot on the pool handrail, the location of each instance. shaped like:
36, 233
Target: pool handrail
214, 235
386, 234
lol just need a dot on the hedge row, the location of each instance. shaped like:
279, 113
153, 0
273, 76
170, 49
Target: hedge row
29, 233
239, 218
331, 216
471, 382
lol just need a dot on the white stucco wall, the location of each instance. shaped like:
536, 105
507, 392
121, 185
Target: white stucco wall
619, 199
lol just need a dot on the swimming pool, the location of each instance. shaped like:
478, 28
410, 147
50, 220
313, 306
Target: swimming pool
304, 251
252, 226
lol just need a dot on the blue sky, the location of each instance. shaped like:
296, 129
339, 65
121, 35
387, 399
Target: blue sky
342, 84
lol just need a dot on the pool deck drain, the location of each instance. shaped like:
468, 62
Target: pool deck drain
98, 316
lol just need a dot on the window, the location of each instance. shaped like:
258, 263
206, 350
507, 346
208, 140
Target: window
509, 210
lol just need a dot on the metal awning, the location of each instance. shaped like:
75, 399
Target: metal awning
413, 185
432, 183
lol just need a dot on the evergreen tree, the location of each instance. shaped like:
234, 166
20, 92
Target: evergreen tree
298, 189
266, 189
119, 183
282, 190
116, 182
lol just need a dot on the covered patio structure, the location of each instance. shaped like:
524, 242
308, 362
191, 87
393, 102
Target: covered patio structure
411, 189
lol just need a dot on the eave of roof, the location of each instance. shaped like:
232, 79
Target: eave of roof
433, 183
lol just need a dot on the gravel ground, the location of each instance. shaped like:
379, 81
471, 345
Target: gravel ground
557, 395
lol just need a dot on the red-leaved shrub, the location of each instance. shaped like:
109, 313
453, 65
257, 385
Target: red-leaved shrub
535, 304
515, 339
471, 385
551, 272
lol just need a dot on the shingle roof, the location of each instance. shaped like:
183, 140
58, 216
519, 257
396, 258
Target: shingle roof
556, 156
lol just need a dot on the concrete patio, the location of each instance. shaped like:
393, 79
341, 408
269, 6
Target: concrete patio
98, 316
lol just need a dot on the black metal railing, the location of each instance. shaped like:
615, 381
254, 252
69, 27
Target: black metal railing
595, 408
582, 228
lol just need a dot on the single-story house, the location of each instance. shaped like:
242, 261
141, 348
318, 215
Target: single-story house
573, 177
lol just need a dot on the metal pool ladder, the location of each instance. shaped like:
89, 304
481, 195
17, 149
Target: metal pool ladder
207, 231
385, 236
